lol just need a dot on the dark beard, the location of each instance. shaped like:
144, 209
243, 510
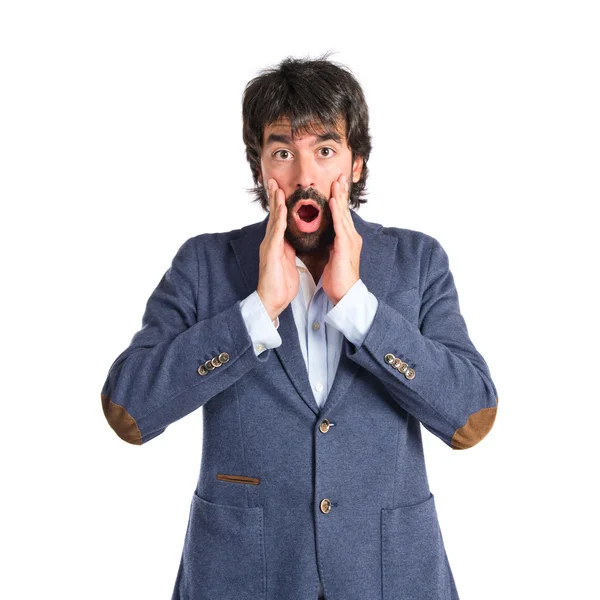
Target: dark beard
317, 242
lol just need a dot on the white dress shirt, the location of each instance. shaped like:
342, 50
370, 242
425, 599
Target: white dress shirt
321, 327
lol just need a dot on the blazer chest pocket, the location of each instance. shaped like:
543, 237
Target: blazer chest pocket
413, 560
224, 552
238, 478
406, 302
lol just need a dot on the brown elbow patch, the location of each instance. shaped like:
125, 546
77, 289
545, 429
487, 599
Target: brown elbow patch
478, 425
121, 421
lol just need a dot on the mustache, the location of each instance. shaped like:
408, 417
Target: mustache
306, 194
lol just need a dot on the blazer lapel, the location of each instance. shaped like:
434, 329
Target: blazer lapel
247, 251
377, 252
375, 274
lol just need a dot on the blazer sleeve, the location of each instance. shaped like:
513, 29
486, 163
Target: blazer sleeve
432, 371
174, 364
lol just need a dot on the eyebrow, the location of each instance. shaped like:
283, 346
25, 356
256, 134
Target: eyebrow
285, 139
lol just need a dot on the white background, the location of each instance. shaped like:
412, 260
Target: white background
120, 137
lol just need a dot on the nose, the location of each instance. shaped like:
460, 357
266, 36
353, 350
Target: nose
305, 172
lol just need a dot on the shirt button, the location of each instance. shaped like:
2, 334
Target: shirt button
259, 347
319, 387
316, 325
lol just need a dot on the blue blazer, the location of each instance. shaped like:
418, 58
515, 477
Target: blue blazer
288, 492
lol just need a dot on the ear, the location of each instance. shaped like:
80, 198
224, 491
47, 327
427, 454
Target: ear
260, 177
357, 167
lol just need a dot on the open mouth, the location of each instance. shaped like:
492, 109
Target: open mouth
307, 216
308, 212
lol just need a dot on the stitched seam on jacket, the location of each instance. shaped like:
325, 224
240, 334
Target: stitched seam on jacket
197, 278
396, 463
428, 269
239, 412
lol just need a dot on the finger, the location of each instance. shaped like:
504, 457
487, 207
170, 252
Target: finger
337, 209
344, 193
277, 218
337, 190
272, 188
281, 209
338, 226
344, 203
270, 194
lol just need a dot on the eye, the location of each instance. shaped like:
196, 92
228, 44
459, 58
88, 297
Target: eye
330, 151
284, 152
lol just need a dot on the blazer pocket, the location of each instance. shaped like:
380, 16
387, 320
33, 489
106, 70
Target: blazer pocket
413, 561
224, 552
238, 478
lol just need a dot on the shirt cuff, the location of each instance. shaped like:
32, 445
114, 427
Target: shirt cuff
261, 329
353, 315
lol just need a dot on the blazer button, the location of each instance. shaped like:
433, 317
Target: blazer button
223, 357
202, 370
410, 373
389, 358
216, 362
208, 364
403, 368
397, 364
325, 505
324, 426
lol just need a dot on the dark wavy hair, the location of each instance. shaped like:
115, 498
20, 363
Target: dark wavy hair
312, 95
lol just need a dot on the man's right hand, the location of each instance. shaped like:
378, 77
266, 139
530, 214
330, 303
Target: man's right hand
278, 279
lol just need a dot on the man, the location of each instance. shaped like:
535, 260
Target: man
317, 343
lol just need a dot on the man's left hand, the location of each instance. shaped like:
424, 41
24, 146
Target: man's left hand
342, 270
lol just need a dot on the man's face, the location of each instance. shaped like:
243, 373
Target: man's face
305, 169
